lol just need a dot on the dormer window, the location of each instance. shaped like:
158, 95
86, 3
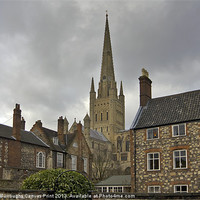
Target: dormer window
55, 140
152, 134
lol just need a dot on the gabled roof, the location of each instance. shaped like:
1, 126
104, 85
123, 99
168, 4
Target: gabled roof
26, 136
50, 134
119, 180
166, 110
70, 137
97, 135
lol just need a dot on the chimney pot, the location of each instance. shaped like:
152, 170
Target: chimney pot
23, 122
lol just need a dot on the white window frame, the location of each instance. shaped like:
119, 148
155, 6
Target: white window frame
151, 129
55, 140
104, 189
85, 164
178, 125
115, 189
74, 162
59, 160
148, 160
120, 189
154, 189
180, 156
110, 189
182, 185
40, 160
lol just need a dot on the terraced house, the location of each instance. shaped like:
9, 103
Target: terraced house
67, 150
165, 142
21, 152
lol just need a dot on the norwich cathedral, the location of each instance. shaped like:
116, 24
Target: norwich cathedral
159, 154
101, 138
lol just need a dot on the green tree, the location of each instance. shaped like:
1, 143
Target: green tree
64, 182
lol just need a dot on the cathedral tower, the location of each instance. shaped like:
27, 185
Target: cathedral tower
107, 109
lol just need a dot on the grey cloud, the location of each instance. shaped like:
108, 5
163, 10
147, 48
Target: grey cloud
49, 51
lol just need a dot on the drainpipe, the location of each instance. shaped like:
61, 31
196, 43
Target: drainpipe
134, 132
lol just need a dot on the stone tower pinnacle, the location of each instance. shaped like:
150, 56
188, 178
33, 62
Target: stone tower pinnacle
92, 86
121, 90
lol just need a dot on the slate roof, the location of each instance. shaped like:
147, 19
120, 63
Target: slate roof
50, 134
118, 180
26, 136
166, 110
70, 137
97, 135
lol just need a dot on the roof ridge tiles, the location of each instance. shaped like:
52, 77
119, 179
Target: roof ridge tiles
181, 93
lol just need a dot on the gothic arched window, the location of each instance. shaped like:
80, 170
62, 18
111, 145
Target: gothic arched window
119, 144
128, 143
40, 160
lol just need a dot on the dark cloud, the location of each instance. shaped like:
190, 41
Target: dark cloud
50, 50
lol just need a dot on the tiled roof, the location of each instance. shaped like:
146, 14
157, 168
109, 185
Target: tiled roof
26, 136
50, 134
172, 109
119, 180
70, 137
97, 135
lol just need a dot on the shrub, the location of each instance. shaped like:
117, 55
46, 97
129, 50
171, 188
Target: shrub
64, 182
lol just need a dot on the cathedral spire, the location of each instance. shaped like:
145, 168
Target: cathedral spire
107, 69
107, 109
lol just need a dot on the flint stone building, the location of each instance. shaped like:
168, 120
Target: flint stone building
21, 152
165, 142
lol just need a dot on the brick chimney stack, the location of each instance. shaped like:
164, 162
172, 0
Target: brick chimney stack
79, 128
23, 122
17, 122
61, 135
38, 123
66, 124
145, 88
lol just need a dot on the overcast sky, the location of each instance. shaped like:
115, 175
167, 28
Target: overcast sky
50, 50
